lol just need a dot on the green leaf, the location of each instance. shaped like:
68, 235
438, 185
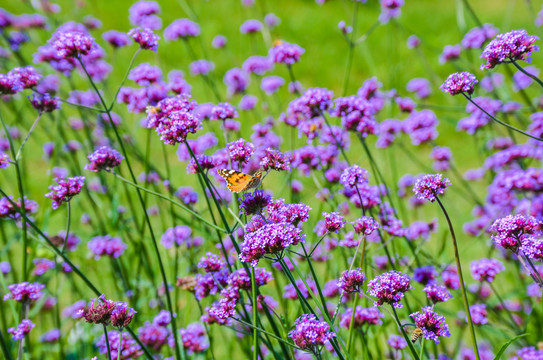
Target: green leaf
506, 345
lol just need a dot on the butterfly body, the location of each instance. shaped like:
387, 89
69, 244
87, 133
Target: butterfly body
238, 181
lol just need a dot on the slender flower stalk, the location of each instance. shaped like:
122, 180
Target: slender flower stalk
468, 97
461, 278
107, 342
179, 351
409, 343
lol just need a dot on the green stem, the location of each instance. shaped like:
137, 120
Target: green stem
461, 278
68, 222
119, 346
187, 209
409, 343
499, 121
255, 316
124, 78
521, 69
351, 325
179, 352
19, 152
107, 342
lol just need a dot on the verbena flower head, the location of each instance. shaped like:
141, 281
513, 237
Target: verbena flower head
333, 221
201, 67
236, 80
512, 46
146, 38
532, 247
275, 160
124, 347
269, 239
211, 263
72, 44
194, 338
174, 119
106, 246
240, 150
285, 53
240, 279
45, 103
431, 323
389, 288
99, 310
122, 315
437, 293
65, 189
513, 229
310, 333
10, 84
486, 269
365, 225
24, 292
459, 82
250, 26
478, 314
258, 65
429, 186
397, 342
105, 158
362, 316
353, 176
181, 29
351, 280
27, 76
116, 39
21, 330
253, 203
219, 42
51, 336
143, 13
5, 161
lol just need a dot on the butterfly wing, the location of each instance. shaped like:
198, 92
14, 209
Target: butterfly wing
236, 181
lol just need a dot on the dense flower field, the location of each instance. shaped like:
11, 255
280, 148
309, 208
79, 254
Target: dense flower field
252, 201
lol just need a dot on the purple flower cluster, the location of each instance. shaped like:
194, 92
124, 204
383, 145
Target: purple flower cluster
365, 225
513, 230
174, 118
437, 293
106, 246
431, 323
285, 53
104, 158
21, 330
143, 13
65, 189
211, 263
145, 38
72, 44
194, 338
310, 333
362, 316
333, 221
389, 288
353, 176
124, 347
429, 186
253, 203
181, 29
458, 83
512, 46
275, 160
486, 269
24, 292
351, 280
240, 151
269, 239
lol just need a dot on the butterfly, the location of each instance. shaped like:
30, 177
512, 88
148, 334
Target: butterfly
237, 181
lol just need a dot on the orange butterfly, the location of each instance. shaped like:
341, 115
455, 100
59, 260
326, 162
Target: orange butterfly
237, 181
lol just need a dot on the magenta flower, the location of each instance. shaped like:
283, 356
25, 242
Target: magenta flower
194, 338
365, 225
45, 103
513, 229
310, 333
353, 176
240, 150
397, 342
72, 44
27, 76
478, 314
437, 293
106, 246
174, 119
127, 347
98, 310
51, 336
146, 38
116, 39
24, 292
21, 330
181, 29
458, 83
275, 160
219, 42
122, 315
351, 281
285, 53
431, 323
250, 26
105, 158
511, 46
389, 288
10, 84
211, 262
429, 186
362, 316
65, 190
5, 161
269, 239
253, 203
486, 269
